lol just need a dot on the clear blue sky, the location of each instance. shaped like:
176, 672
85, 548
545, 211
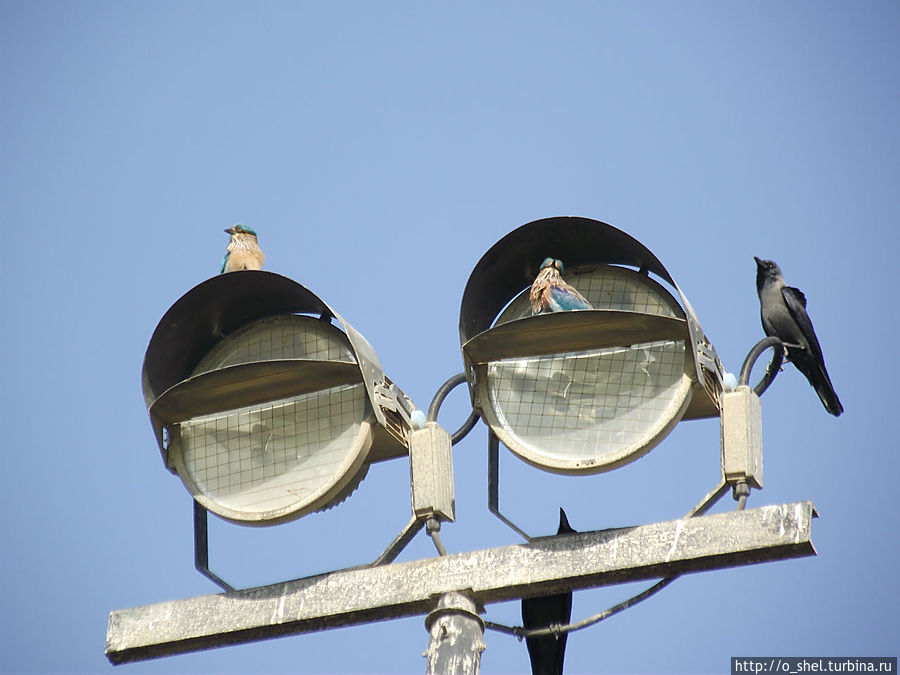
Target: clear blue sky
379, 149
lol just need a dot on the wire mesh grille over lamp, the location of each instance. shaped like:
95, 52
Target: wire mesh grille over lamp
261, 460
277, 418
583, 391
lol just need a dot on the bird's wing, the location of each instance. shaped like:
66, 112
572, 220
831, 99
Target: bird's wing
796, 293
812, 365
796, 304
563, 298
224, 261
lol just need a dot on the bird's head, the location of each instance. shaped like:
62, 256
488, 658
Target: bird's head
240, 229
766, 271
552, 262
767, 268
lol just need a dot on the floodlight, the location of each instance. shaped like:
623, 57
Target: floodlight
265, 408
589, 390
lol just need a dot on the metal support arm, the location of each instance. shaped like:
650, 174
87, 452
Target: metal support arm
494, 485
201, 547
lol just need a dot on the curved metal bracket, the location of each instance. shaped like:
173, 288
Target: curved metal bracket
771, 370
438, 400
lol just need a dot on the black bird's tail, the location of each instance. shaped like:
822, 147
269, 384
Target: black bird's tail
827, 395
548, 653
813, 368
564, 527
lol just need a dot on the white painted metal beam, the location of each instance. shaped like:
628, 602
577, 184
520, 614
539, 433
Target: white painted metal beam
543, 566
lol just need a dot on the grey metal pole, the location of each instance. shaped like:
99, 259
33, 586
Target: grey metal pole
456, 637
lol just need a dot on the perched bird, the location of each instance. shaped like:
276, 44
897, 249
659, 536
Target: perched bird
547, 653
783, 313
243, 252
549, 293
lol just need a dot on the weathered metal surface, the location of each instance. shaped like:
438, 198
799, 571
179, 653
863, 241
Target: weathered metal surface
544, 566
431, 472
741, 433
456, 633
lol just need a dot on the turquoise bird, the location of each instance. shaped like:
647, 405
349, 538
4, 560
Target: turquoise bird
243, 252
549, 293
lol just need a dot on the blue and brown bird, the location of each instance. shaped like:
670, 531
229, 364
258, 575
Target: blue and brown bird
548, 652
783, 314
243, 252
550, 293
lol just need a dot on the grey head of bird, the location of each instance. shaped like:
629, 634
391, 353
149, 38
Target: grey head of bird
766, 270
767, 266
240, 229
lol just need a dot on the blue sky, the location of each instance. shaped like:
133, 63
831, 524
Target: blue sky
379, 149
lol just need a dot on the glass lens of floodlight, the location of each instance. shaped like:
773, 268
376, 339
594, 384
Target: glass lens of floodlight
582, 407
264, 459
279, 459
591, 410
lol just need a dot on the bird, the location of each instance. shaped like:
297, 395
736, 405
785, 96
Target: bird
243, 252
547, 652
783, 314
549, 293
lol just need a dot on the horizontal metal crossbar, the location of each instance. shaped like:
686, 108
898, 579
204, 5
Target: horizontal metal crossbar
543, 566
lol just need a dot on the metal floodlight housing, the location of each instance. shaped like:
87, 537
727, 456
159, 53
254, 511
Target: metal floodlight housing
590, 390
265, 408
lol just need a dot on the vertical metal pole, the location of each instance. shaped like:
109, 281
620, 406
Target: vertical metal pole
457, 634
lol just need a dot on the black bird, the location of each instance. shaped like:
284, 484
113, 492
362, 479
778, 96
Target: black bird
547, 653
783, 313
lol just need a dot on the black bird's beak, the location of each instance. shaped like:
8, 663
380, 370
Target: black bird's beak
229, 230
758, 261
